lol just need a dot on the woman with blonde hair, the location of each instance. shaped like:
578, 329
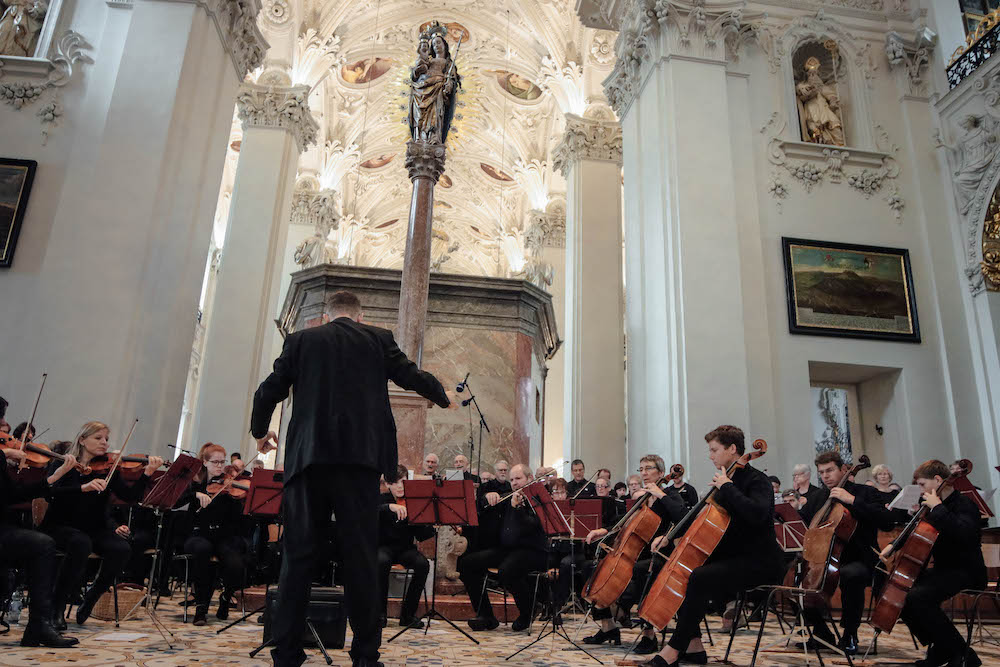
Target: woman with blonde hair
882, 479
82, 524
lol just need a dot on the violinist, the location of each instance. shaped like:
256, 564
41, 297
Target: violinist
867, 505
216, 520
396, 545
748, 555
579, 486
802, 484
33, 551
669, 506
558, 489
83, 525
958, 565
521, 550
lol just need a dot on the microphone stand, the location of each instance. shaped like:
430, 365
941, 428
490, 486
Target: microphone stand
468, 402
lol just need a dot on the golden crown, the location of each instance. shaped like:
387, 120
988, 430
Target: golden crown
434, 28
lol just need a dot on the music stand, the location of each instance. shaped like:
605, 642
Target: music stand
436, 502
966, 488
162, 498
583, 516
789, 528
554, 524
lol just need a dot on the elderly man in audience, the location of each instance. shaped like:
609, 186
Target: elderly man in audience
430, 465
462, 463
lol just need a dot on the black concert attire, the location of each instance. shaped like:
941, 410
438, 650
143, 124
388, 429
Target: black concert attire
520, 550
571, 558
487, 534
341, 437
396, 545
688, 494
748, 555
860, 556
30, 550
216, 530
958, 564
573, 487
81, 525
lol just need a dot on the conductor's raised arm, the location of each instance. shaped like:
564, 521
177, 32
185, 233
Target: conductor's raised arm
405, 373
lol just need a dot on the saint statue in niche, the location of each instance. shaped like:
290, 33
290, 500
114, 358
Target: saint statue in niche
819, 107
433, 86
20, 24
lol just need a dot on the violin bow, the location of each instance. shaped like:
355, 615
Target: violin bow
121, 453
31, 420
227, 483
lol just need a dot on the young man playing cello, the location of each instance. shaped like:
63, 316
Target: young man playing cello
748, 555
958, 565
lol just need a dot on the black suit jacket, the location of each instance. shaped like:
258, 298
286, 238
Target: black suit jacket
340, 413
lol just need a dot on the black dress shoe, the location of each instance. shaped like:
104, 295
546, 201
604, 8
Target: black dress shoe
58, 619
696, 658
659, 661
200, 617
849, 643
613, 636
225, 601
646, 646
935, 658
83, 611
521, 623
412, 622
383, 621
41, 633
483, 623
965, 658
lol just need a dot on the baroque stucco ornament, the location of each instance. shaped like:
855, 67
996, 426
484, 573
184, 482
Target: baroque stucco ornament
587, 139
286, 108
424, 160
912, 57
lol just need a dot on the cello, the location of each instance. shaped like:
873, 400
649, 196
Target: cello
708, 523
634, 531
912, 548
827, 537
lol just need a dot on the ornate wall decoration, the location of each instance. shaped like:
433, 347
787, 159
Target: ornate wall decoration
314, 55
551, 225
287, 108
318, 209
277, 12
236, 21
587, 139
602, 47
990, 264
911, 56
565, 84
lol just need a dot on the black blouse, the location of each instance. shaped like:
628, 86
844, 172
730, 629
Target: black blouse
89, 512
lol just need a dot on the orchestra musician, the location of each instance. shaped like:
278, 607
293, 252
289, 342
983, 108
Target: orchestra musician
33, 551
341, 437
867, 505
748, 555
958, 565
396, 544
669, 506
462, 463
688, 493
82, 525
579, 487
802, 483
520, 550
216, 530
558, 489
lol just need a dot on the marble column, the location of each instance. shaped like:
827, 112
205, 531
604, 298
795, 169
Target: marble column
113, 247
685, 325
589, 156
277, 127
425, 164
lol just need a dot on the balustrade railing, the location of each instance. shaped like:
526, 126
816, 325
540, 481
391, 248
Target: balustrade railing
983, 44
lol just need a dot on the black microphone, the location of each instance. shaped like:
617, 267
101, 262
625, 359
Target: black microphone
463, 384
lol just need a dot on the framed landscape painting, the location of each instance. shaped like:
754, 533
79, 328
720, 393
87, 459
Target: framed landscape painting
857, 291
15, 186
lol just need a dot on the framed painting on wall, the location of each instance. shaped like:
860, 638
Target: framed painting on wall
15, 187
856, 291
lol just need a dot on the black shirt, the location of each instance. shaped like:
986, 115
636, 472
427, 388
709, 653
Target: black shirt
688, 494
89, 512
12, 493
959, 544
868, 509
749, 500
518, 527
398, 535
573, 486
222, 517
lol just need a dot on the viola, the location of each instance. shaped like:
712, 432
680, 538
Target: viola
827, 537
912, 549
36, 455
705, 525
634, 531
131, 466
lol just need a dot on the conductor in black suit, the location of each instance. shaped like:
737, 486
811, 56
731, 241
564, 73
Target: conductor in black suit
341, 437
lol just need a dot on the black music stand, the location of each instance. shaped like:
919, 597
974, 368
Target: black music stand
583, 515
161, 498
554, 524
438, 503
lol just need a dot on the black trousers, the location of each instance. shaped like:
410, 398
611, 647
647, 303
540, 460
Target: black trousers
410, 559
514, 566
78, 545
35, 553
855, 577
309, 498
922, 611
230, 550
719, 579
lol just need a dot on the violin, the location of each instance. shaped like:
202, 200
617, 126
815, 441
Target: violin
912, 549
634, 531
36, 455
234, 489
706, 524
827, 537
130, 467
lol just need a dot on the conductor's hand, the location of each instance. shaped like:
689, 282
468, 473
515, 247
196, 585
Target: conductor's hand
399, 511
268, 443
596, 534
453, 401
492, 498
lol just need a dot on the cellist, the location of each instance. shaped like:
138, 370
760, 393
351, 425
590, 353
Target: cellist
958, 565
748, 555
867, 505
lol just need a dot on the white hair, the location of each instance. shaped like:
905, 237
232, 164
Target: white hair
881, 467
801, 468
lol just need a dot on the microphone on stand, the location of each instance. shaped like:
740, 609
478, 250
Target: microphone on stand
463, 384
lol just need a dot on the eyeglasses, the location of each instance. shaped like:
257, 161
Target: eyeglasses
217, 462
648, 469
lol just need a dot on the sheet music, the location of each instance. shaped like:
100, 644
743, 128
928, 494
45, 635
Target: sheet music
907, 497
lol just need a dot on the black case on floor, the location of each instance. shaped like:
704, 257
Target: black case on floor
327, 612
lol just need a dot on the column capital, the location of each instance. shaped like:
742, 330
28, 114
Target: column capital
236, 22
286, 108
911, 57
587, 139
424, 160
546, 229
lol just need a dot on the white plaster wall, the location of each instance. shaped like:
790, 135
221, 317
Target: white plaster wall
555, 445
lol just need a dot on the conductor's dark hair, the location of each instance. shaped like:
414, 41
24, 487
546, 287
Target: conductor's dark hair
577, 462
727, 436
343, 301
